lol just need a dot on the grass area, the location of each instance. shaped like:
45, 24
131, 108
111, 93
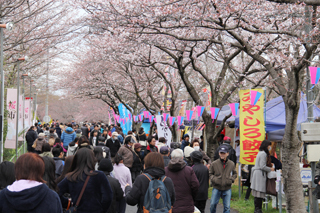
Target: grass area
243, 206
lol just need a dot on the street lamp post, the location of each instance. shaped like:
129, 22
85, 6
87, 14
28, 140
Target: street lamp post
9, 27
18, 104
23, 110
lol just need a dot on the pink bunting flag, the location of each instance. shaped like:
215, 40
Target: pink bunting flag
234, 108
127, 119
145, 114
129, 116
171, 120
254, 97
155, 120
214, 113
151, 117
314, 75
180, 120
189, 114
194, 114
140, 117
200, 110
134, 118
165, 118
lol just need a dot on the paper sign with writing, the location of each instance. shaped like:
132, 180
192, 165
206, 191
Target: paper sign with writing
252, 131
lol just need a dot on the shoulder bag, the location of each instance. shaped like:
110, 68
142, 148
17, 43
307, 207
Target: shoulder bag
74, 208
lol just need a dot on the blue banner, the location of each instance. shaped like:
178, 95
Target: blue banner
124, 113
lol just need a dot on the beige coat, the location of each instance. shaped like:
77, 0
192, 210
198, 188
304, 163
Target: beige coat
127, 155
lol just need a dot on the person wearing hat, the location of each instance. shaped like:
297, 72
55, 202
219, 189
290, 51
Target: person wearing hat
78, 133
222, 174
164, 151
106, 167
114, 144
185, 141
202, 174
187, 151
232, 153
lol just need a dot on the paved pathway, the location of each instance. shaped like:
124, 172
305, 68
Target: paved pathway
133, 209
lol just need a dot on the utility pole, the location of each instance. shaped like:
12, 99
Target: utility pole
308, 28
47, 85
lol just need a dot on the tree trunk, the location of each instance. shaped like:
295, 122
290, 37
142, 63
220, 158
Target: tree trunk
212, 144
290, 160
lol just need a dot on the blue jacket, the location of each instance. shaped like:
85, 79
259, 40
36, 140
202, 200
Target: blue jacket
68, 136
97, 196
184, 144
38, 199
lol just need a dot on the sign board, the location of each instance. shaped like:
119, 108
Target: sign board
10, 142
305, 175
251, 121
46, 119
163, 130
189, 123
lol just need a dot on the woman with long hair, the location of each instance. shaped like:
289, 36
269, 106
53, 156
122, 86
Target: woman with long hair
49, 173
121, 173
29, 193
7, 176
66, 169
259, 175
97, 194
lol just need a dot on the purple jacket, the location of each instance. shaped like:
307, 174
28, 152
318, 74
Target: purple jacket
186, 185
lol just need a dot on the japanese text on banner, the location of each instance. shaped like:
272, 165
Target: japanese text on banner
252, 131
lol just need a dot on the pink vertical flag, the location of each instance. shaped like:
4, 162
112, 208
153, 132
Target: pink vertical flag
234, 108
165, 118
171, 120
140, 117
214, 113
254, 97
145, 114
189, 114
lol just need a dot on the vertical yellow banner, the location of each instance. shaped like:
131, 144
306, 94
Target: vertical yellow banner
251, 123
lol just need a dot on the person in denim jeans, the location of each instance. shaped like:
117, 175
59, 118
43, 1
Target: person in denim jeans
222, 174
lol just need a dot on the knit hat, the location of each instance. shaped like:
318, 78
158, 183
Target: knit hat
196, 156
174, 145
101, 139
137, 145
115, 134
42, 134
186, 135
187, 151
105, 165
164, 150
78, 131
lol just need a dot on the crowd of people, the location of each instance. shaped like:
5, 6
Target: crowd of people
96, 168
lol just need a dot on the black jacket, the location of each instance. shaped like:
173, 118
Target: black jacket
85, 131
114, 147
31, 136
137, 163
97, 196
202, 174
39, 130
142, 136
36, 200
58, 131
135, 195
117, 192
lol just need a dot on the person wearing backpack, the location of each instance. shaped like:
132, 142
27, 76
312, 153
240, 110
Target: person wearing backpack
146, 184
232, 153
